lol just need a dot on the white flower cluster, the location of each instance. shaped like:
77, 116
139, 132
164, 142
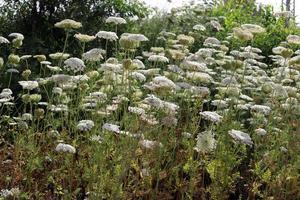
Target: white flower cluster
116, 20
93, 55
205, 142
66, 148
158, 58
241, 137
85, 125
6, 95
111, 128
160, 82
29, 85
107, 35
211, 116
74, 65
12, 193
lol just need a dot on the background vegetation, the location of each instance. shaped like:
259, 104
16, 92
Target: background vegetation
109, 164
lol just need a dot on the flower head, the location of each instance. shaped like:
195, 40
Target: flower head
241, 136
61, 147
29, 85
85, 125
74, 64
211, 116
116, 20
68, 24
107, 35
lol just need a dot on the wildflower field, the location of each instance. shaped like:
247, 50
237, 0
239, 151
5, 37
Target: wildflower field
199, 111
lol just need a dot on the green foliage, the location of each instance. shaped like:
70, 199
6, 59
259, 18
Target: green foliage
35, 19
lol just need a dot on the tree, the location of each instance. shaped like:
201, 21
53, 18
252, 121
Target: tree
35, 18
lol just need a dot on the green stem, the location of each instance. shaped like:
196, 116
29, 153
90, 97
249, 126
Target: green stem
65, 46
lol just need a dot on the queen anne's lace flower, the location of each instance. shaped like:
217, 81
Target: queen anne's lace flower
107, 35
160, 82
85, 125
241, 136
158, 58
265, 110
74, 65
211, 116
199, 27
84, 38
59, 55
136, 110
260, 131
93, 55
111, 127
18, 36
3, 40
29, 85
60, 78
205, 142
242, 34
61, 147
253, 28
293, 39
116, 20
68, 24
12, 193
148, 144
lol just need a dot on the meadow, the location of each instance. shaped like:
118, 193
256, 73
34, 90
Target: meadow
117, 118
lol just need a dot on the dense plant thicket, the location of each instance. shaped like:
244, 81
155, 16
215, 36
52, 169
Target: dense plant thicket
201, 103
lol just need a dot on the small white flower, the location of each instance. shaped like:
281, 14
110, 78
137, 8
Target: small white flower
60, 78
241, 136
58, 56
93, 55
29, 85
137, 37
61, 147
96, 138
68, 24
107, 35
253, 28
154, 101
58, 108
260, 131
200, 77
139, 76
13, 192
85, 125
158, 58
199, 27
57, 90
211, 42
205, 142
160, 82
111, 67
293, 39
111, 127
116, 20
194, 66
84, 38
74, 65
265, 110
221, 104
211, 116
136, 110
245, 97
17, 36
27, 117
148, 144
3, 40
139, 63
